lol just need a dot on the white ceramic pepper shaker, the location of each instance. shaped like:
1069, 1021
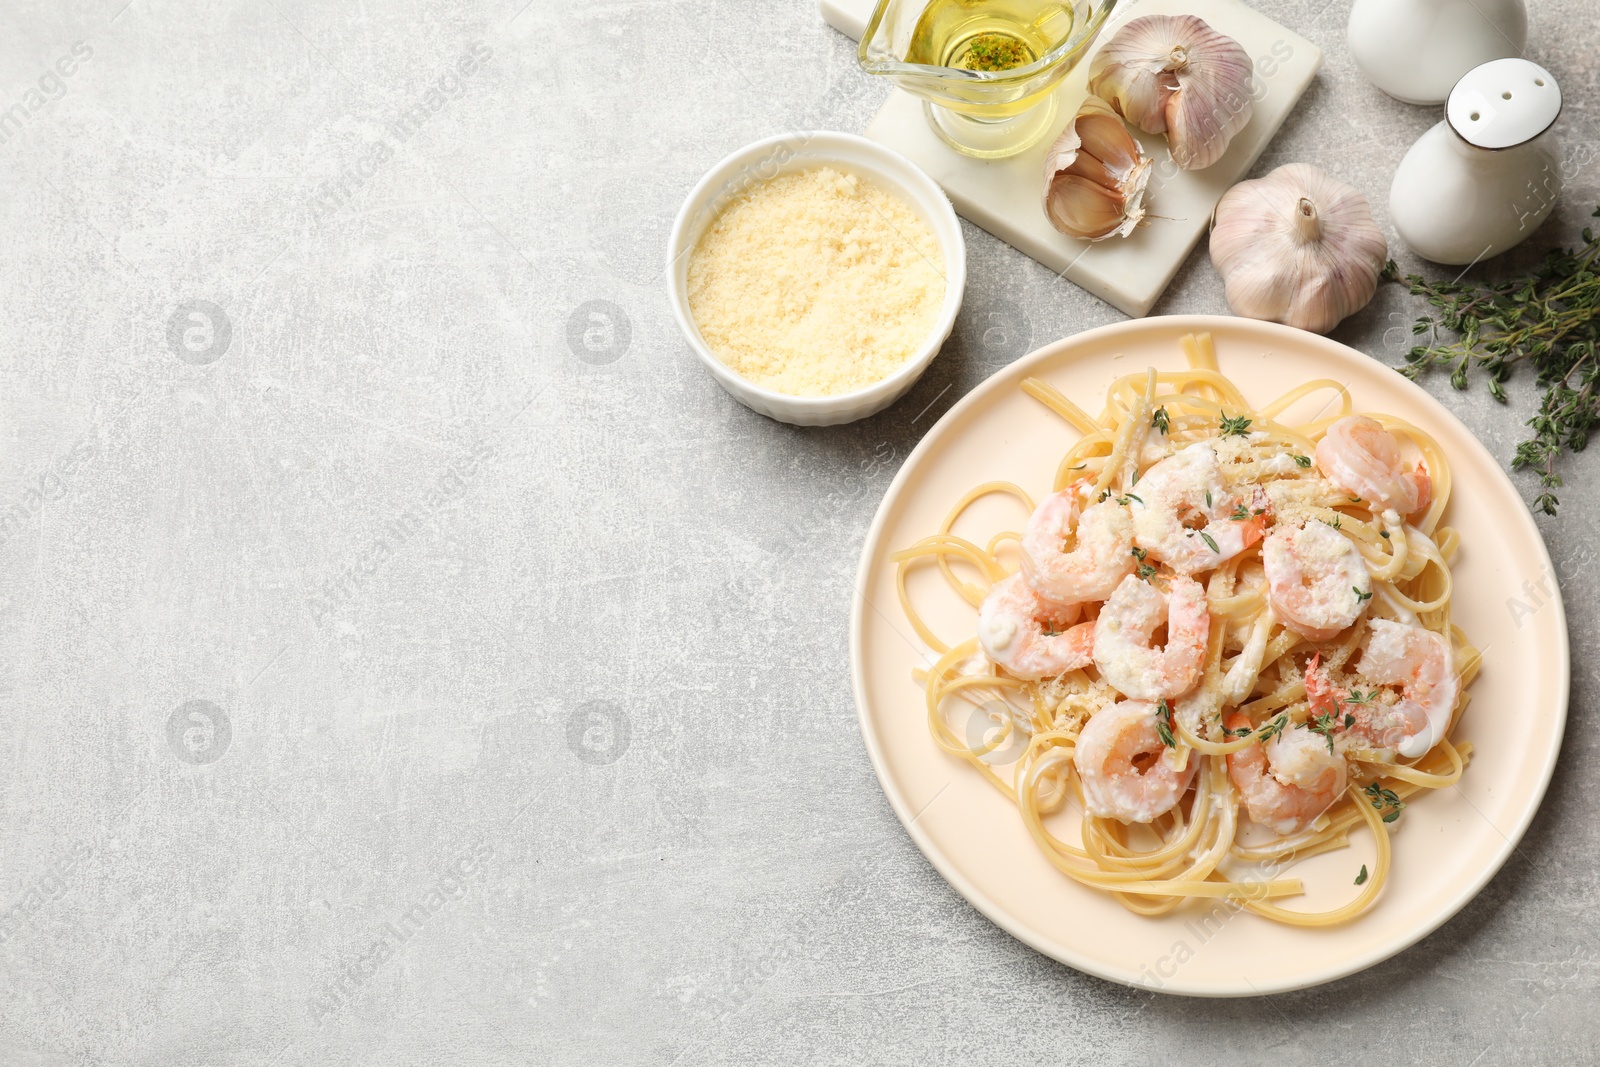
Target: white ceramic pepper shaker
1416, 50
1484, 179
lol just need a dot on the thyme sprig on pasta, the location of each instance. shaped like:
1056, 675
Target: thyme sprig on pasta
1237, 426
1385, 798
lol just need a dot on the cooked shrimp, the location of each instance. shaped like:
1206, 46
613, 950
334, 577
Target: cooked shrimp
1121, 763
1100, 553
1317, 581
1371, 718
1414, 688
1184, 517
1362, 458
1031, 637
1288, 782
1122, 633
1422, 664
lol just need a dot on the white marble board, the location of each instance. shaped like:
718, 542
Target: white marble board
1004, 196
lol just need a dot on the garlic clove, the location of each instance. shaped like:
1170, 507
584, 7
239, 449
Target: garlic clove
1106, 136
1095, 176
1080, 208
1087, 166
1176, 75
1297, 247
1204, 116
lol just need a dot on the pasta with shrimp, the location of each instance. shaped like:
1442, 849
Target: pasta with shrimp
1223, 637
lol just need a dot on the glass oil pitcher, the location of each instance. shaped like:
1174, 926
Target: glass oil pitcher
984, 68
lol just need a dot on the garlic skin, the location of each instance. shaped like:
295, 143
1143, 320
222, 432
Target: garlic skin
1095, 175
1176, 75
1297, 247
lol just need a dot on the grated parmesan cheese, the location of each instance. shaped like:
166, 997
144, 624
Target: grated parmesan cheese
816, 283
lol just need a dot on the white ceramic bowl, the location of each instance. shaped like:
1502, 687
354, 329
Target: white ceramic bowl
787, 152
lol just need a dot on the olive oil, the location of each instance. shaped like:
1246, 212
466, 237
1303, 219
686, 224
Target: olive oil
991, 35
987, 70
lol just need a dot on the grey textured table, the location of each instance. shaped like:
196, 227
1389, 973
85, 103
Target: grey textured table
411, 656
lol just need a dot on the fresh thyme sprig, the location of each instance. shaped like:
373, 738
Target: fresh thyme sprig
1385, 798
1274, 727
1237, 426
1164, 724
1146, 571
1550, 319
1324, 724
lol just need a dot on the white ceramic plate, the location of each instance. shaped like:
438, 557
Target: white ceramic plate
1449, 842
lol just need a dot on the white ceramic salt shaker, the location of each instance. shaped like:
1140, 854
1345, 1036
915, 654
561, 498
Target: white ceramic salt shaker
1482, 180
1416, 50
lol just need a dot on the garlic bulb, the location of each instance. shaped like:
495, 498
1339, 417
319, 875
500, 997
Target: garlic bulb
1094, 176
1297, 247
1174, 74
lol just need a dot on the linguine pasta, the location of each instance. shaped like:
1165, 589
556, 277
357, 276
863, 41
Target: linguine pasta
1254, 667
